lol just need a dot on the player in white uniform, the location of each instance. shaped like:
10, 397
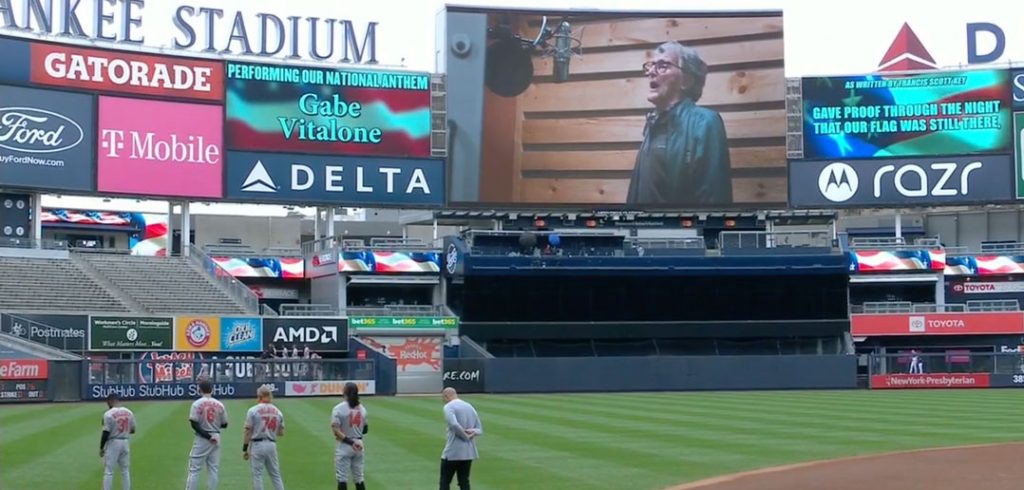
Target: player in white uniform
118, 424
264, 423
207, 417
348, 422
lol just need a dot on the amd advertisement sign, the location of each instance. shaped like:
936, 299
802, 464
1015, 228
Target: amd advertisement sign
901, 182
320, 334
66, 332
46, 139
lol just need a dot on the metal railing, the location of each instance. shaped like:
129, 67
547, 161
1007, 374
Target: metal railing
952, 361
1002, 248
178, 368
45, 244
234, 287
668, 243
247, 251
399, 310
317, 246
896, 307
775, 239
308, 310
893, 243
266, 310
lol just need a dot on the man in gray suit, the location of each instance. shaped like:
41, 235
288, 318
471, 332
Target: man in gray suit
460, 449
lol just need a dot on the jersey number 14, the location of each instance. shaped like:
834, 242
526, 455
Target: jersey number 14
355, 419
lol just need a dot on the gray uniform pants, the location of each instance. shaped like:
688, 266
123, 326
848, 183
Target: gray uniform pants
204, 453
347, 459
116, 455
263, 454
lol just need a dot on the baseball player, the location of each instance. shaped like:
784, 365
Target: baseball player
118, 424
207, 417
264, 423
348, 422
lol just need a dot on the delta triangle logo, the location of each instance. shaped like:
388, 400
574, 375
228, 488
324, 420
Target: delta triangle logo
259, 180
906, 53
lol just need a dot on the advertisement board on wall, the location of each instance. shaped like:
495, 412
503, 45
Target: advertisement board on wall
63, 65
905, 324
46, 139
320, 334
23, 369
901, 182
157, 148
878, 116
67, 332
530, 129
241, 334
447, 322
465, 375
197, 333
327, 388
301, 109
924, 381
173, 391
411, 354
292, 178
126, 333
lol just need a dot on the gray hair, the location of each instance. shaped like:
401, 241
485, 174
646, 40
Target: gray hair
691, 63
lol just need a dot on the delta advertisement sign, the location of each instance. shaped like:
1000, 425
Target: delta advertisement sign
901, 36
959, 323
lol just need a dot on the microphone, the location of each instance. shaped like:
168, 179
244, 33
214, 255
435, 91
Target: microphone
563, 52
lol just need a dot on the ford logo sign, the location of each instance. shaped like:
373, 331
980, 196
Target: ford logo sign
32, 130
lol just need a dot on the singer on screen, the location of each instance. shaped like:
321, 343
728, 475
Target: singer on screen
684, 157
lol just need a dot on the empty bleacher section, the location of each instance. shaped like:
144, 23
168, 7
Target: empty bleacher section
52, 285
167, 285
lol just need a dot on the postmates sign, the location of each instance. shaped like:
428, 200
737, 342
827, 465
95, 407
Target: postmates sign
128, 73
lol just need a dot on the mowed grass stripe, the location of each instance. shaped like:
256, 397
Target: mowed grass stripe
501, 452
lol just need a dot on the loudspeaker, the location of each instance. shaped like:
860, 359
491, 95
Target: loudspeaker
509, 68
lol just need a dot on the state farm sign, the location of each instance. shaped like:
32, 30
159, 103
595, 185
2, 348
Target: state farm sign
989, 323
17, 369
129, 73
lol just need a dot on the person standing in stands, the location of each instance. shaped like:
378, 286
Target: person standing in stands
460, 447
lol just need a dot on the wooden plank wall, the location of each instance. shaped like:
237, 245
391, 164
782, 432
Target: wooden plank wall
575, 142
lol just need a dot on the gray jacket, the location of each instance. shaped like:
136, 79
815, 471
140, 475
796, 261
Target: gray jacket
460, 416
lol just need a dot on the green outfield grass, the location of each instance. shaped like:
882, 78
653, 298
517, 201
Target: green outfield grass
593, 441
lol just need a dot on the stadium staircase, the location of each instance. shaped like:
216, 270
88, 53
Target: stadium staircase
52, 285
166, 285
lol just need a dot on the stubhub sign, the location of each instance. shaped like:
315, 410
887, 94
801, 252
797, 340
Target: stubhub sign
322, 179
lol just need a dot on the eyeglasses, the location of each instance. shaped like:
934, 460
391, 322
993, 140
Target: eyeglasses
661, 65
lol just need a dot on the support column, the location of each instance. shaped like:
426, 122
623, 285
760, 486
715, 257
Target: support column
899, 225
186, 229
37, 219
330, 221
316, 224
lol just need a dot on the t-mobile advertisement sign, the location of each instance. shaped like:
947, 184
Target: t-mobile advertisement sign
155, 148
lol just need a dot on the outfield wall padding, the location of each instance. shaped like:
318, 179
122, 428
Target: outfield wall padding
539, 375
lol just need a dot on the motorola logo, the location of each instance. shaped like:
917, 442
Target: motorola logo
838, 182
